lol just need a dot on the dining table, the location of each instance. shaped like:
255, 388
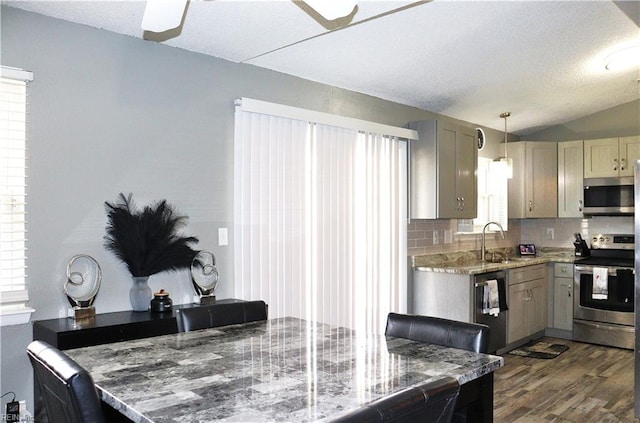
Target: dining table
277, 370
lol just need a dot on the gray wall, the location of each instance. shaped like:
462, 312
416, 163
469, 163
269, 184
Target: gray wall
619, 121
111, 114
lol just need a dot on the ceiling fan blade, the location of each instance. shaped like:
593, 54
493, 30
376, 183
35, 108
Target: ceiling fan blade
332, 9
163, 15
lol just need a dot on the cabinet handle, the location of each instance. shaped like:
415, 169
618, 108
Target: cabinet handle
530, 205
569, 290
462, 205
622, 164
580, 206
615, 164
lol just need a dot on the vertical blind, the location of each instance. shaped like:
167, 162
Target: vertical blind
320, 218
13, 138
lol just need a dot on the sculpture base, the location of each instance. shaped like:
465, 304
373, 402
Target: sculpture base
207, 299
83, 313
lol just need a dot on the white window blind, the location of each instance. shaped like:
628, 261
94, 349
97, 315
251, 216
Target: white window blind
13, 140
320, 217
492, 195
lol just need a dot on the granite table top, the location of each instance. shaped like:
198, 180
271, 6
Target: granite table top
284, 369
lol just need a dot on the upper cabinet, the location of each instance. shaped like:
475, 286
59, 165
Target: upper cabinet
442, 171
570, 178
611, 157
533, 190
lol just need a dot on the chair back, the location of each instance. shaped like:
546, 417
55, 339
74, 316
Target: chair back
68, 392
215, 315
432, 402
434, 330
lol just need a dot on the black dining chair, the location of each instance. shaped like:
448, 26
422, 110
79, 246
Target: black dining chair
215, 315
475, 400
434, 330
432, 402
68, 392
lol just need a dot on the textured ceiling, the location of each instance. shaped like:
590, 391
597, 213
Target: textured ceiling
540, 60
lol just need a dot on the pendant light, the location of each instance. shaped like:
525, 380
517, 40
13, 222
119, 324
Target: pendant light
506, 160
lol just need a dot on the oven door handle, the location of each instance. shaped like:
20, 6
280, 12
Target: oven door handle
583, 269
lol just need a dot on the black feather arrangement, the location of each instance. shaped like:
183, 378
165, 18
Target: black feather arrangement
147, 240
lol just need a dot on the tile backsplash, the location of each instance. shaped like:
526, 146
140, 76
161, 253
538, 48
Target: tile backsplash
440, 236
536, 231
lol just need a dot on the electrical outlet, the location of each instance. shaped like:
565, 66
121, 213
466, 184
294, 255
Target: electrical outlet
550, 233
435, 238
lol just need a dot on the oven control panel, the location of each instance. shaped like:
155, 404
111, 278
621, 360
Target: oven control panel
613, 241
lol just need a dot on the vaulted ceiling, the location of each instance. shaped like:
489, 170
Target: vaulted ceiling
540, 60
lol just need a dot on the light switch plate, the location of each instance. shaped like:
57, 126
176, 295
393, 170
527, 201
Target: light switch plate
223, 236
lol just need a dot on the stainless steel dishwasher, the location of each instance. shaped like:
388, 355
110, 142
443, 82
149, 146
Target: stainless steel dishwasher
497, 324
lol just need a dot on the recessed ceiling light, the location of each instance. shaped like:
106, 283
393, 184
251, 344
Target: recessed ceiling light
625, 58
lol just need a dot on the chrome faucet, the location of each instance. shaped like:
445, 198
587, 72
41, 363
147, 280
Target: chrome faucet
482, 251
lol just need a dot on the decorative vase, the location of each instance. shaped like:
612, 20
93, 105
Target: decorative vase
140, 293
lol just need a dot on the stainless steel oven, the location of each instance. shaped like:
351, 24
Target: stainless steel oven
604, 292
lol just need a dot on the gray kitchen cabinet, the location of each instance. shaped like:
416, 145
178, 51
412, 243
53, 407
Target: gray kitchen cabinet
442, 171
527, 302
533, 190
570, 178
611, 157
563, 296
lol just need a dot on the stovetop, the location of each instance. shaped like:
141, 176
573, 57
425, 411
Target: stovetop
606, 261
612, 250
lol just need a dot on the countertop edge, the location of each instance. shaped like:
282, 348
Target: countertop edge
476, 268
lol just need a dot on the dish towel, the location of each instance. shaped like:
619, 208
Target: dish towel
600, 283
491, 303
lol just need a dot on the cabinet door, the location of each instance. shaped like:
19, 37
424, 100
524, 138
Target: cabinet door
466, 175
536, 318
629, 153
457, 178
448, 198
570, 179
563, 303
516, 327
541, 184
601, 158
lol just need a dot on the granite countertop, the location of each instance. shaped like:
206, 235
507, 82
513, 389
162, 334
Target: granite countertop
283, 369
470, 264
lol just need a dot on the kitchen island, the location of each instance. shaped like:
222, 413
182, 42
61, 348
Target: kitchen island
283, 369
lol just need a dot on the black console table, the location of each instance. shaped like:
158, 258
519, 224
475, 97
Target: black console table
67, 333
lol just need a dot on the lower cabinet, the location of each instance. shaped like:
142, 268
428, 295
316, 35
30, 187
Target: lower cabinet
527, 302
562, 296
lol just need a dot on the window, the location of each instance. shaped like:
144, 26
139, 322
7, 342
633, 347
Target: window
13, 137
320, 215
492, 198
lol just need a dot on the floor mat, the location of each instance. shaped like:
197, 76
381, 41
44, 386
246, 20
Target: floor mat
540, 350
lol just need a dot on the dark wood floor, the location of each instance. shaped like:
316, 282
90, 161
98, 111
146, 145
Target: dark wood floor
587, 383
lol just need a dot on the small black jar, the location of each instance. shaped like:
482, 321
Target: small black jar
161, 303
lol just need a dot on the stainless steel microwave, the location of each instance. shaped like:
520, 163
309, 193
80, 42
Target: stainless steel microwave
608, 196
